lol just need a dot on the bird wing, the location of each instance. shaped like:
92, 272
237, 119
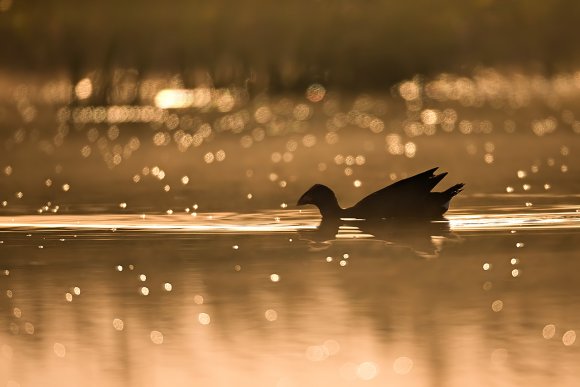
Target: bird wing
406, 191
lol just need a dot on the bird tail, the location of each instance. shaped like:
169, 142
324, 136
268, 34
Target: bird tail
449, 193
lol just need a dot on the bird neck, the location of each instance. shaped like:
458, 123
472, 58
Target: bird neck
330, 208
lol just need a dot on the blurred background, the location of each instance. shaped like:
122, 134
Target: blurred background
275, 93
277, 46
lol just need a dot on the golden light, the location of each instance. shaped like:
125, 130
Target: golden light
59, 350
156, 337
315, 92
410, 149
118, 324
174, 99
29, 328
497, 305
84, 88
367, 370
271, 315
430, 116
302, 112
409, 90
569, 338
204, 318
403, 365
549, 331
220, 155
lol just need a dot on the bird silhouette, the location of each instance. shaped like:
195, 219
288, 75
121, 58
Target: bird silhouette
410, 198
425, 238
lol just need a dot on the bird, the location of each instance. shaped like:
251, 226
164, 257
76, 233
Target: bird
410, 198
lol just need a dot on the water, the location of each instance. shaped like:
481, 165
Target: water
176, 299
142, 245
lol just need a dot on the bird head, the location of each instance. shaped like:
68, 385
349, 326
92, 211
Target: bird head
318, 194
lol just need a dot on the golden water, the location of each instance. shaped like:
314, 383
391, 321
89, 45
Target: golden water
250, 299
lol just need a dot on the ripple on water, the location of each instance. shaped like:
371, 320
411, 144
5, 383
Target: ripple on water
486, 219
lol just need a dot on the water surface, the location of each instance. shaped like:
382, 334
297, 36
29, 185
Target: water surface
257, 299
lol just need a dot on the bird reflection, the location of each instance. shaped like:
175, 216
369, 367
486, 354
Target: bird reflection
423, 237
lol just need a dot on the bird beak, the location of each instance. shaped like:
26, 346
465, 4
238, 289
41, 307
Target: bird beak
304, 199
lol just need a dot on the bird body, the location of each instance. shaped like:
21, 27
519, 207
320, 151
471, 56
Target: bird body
408, 198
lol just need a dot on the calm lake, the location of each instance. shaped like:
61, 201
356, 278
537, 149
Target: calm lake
152, 245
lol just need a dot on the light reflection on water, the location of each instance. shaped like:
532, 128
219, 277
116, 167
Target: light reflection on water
288, 221
177, 299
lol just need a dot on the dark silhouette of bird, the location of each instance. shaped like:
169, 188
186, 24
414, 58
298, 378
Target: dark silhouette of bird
414, 234
410, 198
